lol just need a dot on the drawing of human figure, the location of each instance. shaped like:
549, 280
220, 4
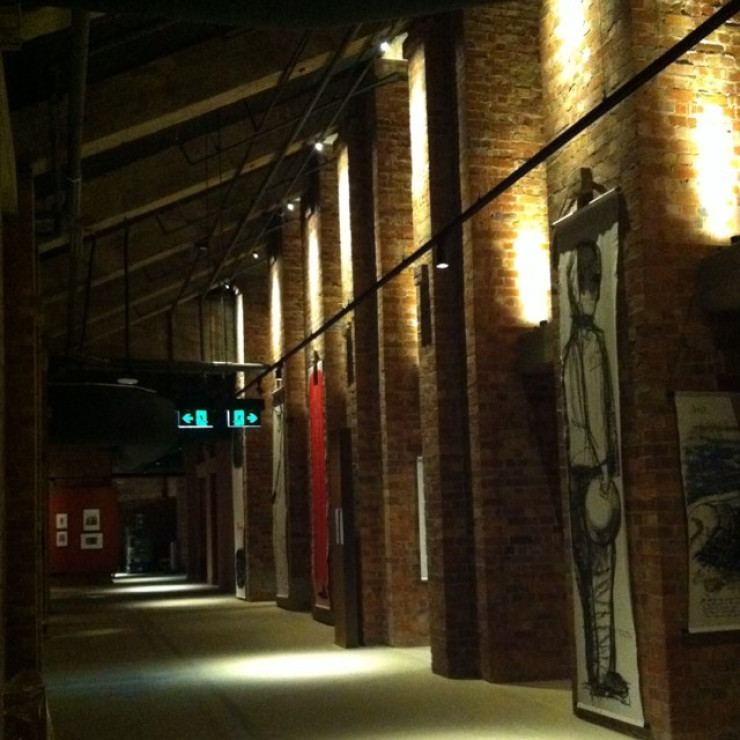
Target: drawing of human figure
593, 462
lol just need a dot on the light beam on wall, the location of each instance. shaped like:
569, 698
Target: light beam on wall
533, 275
571, 31
314, 274
276, 313
419, 136
717, 172
345, 225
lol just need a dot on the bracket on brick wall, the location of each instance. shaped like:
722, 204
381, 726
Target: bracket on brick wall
588, 188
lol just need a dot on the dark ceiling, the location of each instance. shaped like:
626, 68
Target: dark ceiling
163, 149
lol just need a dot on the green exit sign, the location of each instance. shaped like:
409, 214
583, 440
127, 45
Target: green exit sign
242, 418
195, 418
235, 414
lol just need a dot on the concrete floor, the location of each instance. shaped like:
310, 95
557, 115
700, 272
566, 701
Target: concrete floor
159, 659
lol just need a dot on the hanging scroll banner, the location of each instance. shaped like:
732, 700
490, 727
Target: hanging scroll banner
587, 245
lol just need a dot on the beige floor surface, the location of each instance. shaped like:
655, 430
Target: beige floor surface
158, 659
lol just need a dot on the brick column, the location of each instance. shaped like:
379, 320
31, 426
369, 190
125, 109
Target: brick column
292, 278
24, 521
332, 342
260, 560
407, 595
444, 413
513, 422
363, 394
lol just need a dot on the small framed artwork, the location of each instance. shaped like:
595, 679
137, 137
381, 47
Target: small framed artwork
61, 521
90, 520
91, 541
62, 540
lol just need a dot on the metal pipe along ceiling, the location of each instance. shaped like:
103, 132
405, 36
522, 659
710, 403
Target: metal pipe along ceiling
277, 13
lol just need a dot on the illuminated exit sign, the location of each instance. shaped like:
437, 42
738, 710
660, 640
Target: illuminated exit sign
237, 414
195, 418
242, 418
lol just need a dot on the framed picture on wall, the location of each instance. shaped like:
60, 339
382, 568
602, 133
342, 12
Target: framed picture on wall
91, 520
62, 540
61, 521
91, 541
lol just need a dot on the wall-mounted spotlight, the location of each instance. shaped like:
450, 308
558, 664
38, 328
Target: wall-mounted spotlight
319, 146
290, 206
384, 46
255, 255
441, 259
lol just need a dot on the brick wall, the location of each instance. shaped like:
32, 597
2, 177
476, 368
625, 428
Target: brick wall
292, 289
520, 575
363, 394
257, 473
647, 146
406, 595
332, 349
443, 401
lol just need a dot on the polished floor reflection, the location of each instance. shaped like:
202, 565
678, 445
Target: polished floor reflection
159, 658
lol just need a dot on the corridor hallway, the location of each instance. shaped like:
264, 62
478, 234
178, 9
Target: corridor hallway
157, 658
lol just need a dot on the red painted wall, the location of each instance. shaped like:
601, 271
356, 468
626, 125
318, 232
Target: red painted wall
73, 558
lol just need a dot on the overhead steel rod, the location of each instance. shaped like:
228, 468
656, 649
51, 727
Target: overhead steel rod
609, 102
351, 91
88, 289
285, 76
328, 74
126, 293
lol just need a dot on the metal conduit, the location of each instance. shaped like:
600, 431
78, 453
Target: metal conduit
599, 111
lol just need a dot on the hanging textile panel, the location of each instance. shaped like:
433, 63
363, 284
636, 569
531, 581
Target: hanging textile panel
587, 245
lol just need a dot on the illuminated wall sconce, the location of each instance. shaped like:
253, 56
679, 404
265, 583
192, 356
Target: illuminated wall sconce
447, 239
441, 260
719, 279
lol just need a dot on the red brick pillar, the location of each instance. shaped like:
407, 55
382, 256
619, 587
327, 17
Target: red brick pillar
363, 393
259, 557
332, 346
444, 414
24, 522
406, 594
521, 577
292, 281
